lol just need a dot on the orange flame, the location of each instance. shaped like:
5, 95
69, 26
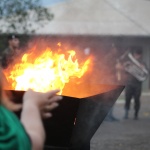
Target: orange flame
45, 71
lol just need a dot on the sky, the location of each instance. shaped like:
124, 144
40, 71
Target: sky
51, 2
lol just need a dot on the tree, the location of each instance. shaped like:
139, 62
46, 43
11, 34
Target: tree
22, 16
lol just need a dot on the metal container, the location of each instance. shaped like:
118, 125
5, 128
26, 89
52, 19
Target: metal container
76, 120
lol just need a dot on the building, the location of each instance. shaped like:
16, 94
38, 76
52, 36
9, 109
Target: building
99, 23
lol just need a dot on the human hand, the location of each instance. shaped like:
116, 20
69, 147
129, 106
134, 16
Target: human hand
119, 66
45, 102
142, 66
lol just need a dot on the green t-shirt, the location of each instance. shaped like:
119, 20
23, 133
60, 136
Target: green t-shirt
12, 133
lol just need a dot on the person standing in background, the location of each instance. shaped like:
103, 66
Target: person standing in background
110, 62
9, 54
133, 87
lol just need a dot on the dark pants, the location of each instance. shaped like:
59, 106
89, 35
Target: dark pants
133, 91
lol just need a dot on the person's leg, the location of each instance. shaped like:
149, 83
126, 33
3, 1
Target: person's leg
110, 116
128, 97
137, 95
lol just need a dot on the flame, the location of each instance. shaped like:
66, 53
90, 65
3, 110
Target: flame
45, 71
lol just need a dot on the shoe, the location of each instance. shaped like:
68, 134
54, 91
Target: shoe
114, 118
136, 115
125, 117
108, 119
111, 119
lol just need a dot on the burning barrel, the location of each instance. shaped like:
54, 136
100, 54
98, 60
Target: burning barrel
85, 101
76, 120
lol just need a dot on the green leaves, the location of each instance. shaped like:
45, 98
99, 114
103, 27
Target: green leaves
22, 16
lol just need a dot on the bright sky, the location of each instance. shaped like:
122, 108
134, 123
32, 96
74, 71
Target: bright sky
51, 2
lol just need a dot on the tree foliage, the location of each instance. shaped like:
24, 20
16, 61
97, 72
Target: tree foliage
22, 16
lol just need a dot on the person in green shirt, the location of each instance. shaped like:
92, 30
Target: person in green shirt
27, 133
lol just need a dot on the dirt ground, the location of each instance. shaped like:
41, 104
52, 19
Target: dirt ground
125, 134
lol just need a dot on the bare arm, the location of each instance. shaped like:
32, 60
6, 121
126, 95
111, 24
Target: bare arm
31, 119
31, 116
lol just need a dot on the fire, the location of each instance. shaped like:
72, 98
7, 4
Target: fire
45, 71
